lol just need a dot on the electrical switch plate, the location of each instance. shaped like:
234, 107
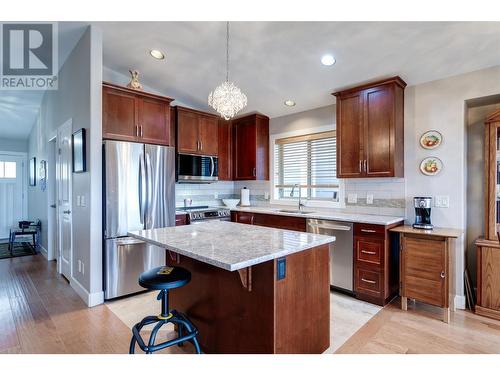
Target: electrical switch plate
442, 201
82, 201
352, 198
79, 265
266, 195
369, 198
281, 268
78, 200
216, 195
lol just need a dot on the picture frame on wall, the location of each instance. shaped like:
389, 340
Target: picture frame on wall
32, 171
79, 147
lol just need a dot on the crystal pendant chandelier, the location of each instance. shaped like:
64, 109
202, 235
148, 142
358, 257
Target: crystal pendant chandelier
227, 98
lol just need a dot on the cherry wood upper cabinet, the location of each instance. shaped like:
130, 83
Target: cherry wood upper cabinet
251, 148
370, 128
135, 116
197, 132
225, 150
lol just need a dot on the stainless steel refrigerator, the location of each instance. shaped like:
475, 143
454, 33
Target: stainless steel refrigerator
139, 194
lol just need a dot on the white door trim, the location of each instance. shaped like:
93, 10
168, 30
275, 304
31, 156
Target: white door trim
52, 228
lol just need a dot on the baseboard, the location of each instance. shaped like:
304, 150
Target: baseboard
459, 302
91, 299
44, 251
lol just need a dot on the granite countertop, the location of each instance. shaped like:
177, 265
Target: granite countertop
324, 214
231, 246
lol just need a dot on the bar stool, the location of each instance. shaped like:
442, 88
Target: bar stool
164, 279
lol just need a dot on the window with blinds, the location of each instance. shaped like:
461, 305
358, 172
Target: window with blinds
310, 162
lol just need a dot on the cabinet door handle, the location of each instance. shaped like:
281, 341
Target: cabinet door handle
141, 131
368, 252
360, 166
366, 166
367, 281
442, 274
254, 172
201, 145
137, 130
198, 145
368, 231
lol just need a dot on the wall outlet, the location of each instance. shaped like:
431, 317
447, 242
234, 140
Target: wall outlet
78, 200
369, 198
266, 195
442, 201
79, 265
352, 198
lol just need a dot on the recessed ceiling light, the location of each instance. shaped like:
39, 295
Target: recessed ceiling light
328, 60
289, 103
157, 54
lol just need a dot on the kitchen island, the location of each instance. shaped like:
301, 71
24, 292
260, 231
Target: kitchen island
253, 289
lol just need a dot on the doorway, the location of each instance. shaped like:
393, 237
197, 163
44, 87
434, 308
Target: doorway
64, 189
13, 191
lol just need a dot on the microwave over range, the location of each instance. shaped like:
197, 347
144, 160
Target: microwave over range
197, 168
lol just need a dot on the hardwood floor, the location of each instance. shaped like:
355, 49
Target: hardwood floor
40, 313
421, 330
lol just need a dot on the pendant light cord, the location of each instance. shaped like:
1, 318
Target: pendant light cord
227, 51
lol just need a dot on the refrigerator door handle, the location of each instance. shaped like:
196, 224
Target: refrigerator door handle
149, 191
142, 188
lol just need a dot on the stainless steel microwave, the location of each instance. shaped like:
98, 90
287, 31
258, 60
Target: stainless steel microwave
197, 168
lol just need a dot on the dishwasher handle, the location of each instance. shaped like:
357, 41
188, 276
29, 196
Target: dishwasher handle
331, 226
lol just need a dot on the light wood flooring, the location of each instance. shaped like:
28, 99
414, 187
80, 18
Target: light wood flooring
40, 313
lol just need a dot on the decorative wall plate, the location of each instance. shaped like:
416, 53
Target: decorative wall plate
431, 166
431, 139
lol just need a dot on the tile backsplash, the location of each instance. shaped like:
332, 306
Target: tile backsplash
388, 194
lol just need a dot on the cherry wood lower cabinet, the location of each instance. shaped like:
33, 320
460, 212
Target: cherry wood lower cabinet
252, 311
427, 267
269, 220
376, 263
488, 278
181, 219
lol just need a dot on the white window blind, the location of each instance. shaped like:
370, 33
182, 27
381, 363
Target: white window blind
310, 162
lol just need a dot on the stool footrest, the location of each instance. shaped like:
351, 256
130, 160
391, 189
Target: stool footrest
178, 319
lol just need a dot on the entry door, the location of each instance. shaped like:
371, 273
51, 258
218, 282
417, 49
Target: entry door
64, 188
11, 192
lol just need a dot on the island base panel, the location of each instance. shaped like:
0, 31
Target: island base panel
291, 315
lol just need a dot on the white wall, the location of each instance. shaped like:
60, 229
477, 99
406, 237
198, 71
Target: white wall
78, 98
14, 145
441, 105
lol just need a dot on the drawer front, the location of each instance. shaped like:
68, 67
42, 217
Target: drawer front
370, 230
369, 251
369, 281
180, 219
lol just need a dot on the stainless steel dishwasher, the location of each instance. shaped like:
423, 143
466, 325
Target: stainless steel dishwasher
341, 251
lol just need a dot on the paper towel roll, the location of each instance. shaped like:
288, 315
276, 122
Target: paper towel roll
245, 197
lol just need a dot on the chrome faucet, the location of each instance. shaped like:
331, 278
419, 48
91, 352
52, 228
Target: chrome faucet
300, 195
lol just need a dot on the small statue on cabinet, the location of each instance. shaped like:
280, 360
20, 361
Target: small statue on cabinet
134, 82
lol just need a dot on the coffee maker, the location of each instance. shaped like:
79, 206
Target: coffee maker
422, 212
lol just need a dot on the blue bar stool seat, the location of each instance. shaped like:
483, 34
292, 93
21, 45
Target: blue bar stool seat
164, 279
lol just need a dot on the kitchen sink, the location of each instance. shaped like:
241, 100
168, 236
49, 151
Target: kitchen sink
295, 211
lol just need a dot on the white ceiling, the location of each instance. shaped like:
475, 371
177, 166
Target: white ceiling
18, 109
275, 61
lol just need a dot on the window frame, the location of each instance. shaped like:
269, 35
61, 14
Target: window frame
308, 202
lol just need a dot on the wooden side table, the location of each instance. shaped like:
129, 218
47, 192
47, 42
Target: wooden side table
427, 266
